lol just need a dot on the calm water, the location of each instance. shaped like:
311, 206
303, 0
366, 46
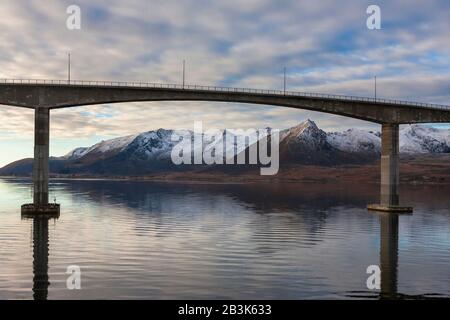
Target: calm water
160, 240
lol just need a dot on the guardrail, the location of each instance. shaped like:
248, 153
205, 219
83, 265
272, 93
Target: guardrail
220, 89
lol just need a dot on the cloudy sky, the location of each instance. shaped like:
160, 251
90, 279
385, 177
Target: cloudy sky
325, 46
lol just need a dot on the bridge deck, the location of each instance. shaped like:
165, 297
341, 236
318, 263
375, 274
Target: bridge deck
219, 89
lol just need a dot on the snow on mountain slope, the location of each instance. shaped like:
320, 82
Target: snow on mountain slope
423, 139
117, 144
158, 144
75, 154
307, 133
355, 140
114, 146
414, 138
232, 142
308, 144
152, 145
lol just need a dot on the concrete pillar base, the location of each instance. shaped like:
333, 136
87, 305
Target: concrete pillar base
51, 210
392, 209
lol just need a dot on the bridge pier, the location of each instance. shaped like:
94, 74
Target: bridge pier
41, 156
389, 199
40, 203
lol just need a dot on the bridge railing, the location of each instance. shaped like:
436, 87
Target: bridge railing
220, 89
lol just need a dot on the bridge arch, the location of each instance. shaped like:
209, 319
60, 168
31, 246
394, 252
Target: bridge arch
56, 96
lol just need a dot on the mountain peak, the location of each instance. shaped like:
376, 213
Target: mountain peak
310, 122
306, 137
307, 124
307, 127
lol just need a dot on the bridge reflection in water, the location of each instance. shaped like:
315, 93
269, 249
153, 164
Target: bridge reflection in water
41, 281
389, 236
388, 255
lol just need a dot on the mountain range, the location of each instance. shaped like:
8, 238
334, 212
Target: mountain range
150, 152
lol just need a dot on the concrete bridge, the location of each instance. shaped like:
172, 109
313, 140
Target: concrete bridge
45, 95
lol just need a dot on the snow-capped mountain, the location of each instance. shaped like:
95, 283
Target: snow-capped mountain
152, 145
423, 139
355, 140
308, 144
414, 139
108, 147
303, 144
307, 134
158, 144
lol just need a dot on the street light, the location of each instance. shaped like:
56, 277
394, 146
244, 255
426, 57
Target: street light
184, 72
68, 67
375, 88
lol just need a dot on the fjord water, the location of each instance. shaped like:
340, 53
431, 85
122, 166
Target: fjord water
149, 240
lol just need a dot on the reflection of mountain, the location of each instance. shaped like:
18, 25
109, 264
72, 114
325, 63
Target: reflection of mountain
294, 210
261, 197
150, 152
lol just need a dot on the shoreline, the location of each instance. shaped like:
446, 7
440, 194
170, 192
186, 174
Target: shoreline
414, 170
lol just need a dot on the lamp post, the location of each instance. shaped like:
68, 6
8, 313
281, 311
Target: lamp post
68, 67
184, 72
375, 88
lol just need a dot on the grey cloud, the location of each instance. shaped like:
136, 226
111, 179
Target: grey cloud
324, 44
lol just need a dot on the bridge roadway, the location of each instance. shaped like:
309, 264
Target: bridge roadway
45, 95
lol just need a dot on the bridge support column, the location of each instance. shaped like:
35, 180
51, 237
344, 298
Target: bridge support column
389, 199
41, 155
40, 203
389, 165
